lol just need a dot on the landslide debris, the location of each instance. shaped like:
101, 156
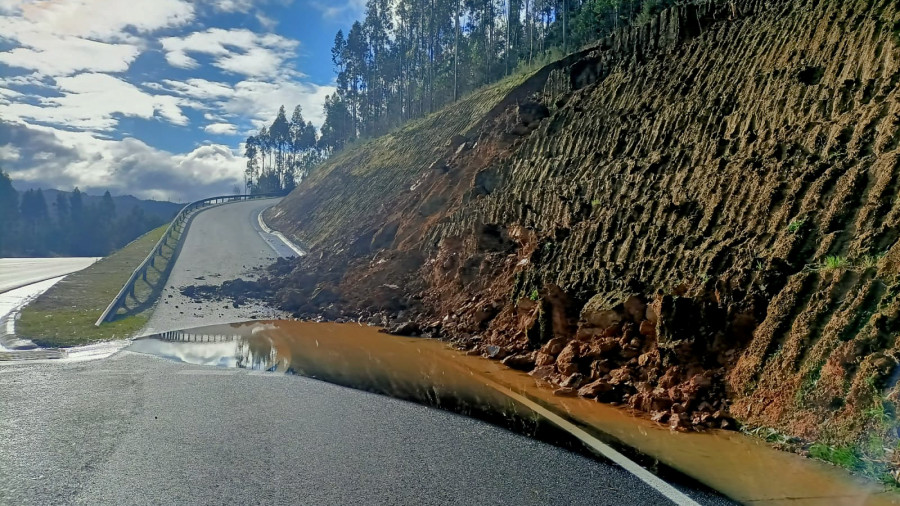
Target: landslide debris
696, 218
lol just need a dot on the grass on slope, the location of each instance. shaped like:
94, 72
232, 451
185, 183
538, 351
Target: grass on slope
343, 190
65, 314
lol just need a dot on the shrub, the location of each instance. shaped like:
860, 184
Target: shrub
835, 262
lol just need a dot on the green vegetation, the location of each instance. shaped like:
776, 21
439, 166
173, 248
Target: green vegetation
843, 456
835, 262
832, 262
72, 224
406, 59
282, 154
868, 458
810, 381
773, 436
65, 314
870, 261
391, 162
534, 295
796, 225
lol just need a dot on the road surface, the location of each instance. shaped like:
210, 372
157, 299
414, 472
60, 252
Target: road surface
223, 243
135, 429
19, 272
138, 429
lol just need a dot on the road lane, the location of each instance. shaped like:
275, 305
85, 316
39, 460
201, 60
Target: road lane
135, 429
18, 272
223, 243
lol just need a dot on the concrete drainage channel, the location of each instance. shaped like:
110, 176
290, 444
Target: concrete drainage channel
290, 244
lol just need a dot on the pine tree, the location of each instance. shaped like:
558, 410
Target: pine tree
9, 214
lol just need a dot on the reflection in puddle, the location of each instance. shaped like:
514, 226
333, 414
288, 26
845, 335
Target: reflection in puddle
353, 356
427, 371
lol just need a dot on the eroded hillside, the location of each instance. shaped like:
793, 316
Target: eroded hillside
696, 218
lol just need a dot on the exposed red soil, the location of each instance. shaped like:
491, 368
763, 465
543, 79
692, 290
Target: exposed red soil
647, 223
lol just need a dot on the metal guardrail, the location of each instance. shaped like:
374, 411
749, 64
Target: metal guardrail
181, 219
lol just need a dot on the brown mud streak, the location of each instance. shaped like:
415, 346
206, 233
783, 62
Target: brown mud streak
642, 242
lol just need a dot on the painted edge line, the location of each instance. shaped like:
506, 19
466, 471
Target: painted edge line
287, 242
667, 490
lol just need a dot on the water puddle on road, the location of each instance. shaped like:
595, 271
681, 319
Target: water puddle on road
428, 371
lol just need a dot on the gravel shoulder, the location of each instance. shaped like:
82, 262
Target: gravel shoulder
223, 243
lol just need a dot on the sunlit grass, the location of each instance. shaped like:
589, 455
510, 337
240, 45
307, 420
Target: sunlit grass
65, 314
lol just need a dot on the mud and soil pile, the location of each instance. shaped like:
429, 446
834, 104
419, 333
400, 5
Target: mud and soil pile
697, 218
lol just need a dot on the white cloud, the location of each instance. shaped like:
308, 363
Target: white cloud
257, 100
9, 153
200, 89
63, 56
340, 10
105, 20
260, 99
54, 158
93, 102
237, 50
232, 5
220, 129
60, 37
72, 82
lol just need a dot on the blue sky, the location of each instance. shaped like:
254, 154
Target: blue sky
154, 97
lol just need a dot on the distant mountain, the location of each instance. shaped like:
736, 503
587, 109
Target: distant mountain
33, 227
124, 204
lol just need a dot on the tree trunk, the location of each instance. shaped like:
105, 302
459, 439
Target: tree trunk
508, 23
456, 56
528, 14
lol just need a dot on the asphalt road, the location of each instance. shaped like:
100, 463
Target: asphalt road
135, 429
19, 272
223, 243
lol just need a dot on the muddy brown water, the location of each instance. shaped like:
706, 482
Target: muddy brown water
428, 371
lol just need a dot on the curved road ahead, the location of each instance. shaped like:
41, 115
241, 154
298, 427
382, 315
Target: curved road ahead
137, 429
224, 242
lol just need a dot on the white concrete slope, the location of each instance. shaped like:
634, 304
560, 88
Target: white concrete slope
19, 272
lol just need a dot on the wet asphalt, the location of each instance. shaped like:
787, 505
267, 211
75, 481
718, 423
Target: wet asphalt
137, 429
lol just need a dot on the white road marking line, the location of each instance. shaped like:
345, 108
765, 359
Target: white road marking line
667, 490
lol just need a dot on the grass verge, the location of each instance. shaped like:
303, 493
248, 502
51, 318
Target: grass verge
65, 315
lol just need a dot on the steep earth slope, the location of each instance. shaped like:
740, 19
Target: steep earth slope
696, 217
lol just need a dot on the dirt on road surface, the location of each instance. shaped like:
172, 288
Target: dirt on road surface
223, 243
